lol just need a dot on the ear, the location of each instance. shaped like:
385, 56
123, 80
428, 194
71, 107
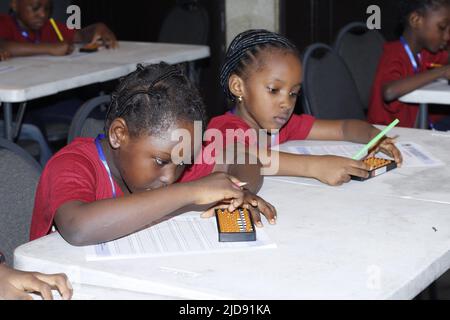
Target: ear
236, 85
415, 20
118, 133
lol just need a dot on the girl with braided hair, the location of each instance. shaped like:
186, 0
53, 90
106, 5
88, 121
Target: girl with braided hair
99, 190
416, 59
262, 76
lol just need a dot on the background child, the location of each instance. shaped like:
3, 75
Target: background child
96, 191
28, 31
263, 74
404, 64
14, 285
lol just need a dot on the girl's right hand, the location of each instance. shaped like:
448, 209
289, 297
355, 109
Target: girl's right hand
60, 49
218, 187
335, 171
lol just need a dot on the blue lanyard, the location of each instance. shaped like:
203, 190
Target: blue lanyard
105, 164
24, 33
411, 55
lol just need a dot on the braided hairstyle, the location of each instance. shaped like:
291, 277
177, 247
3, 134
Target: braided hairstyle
421, 6
153, 98
246, 50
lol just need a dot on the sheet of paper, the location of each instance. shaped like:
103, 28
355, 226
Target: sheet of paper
187, 234
414, 155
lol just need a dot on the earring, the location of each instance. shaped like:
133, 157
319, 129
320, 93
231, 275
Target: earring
240, 99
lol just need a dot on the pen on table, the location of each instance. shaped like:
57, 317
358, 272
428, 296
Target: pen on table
55, 27
375, 140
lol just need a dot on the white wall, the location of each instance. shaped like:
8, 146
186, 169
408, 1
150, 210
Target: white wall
242, 15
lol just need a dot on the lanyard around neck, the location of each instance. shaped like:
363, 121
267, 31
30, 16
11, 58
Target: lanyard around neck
411, 56
25, 33
105, 163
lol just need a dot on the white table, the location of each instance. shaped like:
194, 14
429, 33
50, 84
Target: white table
41, 76
437, 92
351, 242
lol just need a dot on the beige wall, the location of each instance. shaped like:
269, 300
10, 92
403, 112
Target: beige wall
251, 14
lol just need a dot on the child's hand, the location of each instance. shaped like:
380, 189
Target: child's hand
4, 55
103, 35
218, 187
60, 49
335, 171
387, 146
254, 204
14, 285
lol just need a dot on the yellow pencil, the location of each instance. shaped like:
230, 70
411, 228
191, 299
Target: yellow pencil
58, 33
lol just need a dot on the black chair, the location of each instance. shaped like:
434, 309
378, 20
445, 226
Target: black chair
85, 126
20, 175
187, 23
361, 50
329, 91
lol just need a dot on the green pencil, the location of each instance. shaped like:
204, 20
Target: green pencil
375, 140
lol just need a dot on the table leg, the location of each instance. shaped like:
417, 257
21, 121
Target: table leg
7, 112
423, 116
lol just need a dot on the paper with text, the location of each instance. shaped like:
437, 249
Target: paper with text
180, 235
413, 154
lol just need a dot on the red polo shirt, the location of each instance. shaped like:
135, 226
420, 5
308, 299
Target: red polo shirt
10, 32
75, 173
395, 65
297, 128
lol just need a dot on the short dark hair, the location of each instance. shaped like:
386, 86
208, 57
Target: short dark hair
421, 6
245, 50
153, 98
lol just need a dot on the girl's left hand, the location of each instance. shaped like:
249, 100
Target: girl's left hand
387, 146
256, 205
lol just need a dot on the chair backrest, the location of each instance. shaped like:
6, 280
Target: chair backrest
84, 126
361, 50
187, 22
329, 91
19, 175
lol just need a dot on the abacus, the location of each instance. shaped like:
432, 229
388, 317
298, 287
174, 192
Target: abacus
377, 166
236, 226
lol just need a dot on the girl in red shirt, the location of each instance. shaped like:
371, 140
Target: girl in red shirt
406, 65
95, 191
262, 75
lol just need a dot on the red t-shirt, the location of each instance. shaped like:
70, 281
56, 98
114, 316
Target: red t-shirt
297, 128
395, 65
75, 173
10, 32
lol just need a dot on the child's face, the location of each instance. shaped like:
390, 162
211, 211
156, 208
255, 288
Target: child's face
32, 13
145, 163
435, 29
270, 93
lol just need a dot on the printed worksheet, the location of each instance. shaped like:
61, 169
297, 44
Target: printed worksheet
414, 155
187, 234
